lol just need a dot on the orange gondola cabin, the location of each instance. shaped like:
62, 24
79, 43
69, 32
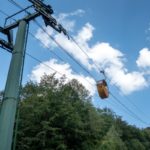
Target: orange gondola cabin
102, 89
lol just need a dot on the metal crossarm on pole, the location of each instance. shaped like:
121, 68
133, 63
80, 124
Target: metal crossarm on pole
11, 94
9, 43
46, 11
4, 44
27, 19
41, 7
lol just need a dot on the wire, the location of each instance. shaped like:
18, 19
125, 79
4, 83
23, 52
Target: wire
59, 57
52, 38
135, 116
124, 108
20, 7
100, 70
46, 47
105, 75
66, 51
2, 12
17, 5
131, 112
36, 59
131, 102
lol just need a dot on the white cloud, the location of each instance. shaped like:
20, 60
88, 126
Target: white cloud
68, 24
127, 82
113, 61
63, 16
83, 36
79, 12
62, 69
44, 37
144, 58
103, 54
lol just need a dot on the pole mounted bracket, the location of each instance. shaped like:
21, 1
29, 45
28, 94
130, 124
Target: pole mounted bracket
46, 12
8, 45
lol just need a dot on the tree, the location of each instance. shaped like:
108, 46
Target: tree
112, 141
135, 144
57, 115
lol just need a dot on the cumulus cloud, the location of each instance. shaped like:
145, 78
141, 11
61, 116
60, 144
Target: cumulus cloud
63, 18
67, 23
144, 58
43, 36
83, 36
128, 82
62, 69
101, 54
113, 61
104, 55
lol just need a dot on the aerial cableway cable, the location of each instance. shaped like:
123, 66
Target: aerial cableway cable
52, 38
126, 109
20, 7
66, 51
131, 112
103, 72
60, 58
82, 66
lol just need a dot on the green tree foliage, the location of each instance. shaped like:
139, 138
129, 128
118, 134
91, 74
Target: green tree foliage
55, 115
58, 115
135, 144
112, 141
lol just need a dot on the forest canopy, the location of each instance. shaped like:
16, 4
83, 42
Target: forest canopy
59, 115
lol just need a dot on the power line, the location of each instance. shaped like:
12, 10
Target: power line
76, 60
59, 57
52, 38
66, 51
36, 59
2, 12
49, 49
131, 112
84, 68
34, 36
46, 47
124, 108
17, 5
100, 70
131, 102
20, 7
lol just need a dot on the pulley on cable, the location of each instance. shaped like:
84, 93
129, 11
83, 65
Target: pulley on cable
102, 88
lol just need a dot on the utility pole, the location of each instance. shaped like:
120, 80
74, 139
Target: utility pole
10, 100
12, 88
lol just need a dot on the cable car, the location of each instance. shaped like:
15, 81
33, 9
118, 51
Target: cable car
102, 89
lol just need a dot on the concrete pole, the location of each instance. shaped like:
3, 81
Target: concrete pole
11, 93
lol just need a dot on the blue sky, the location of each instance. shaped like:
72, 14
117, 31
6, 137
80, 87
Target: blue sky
115, 34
